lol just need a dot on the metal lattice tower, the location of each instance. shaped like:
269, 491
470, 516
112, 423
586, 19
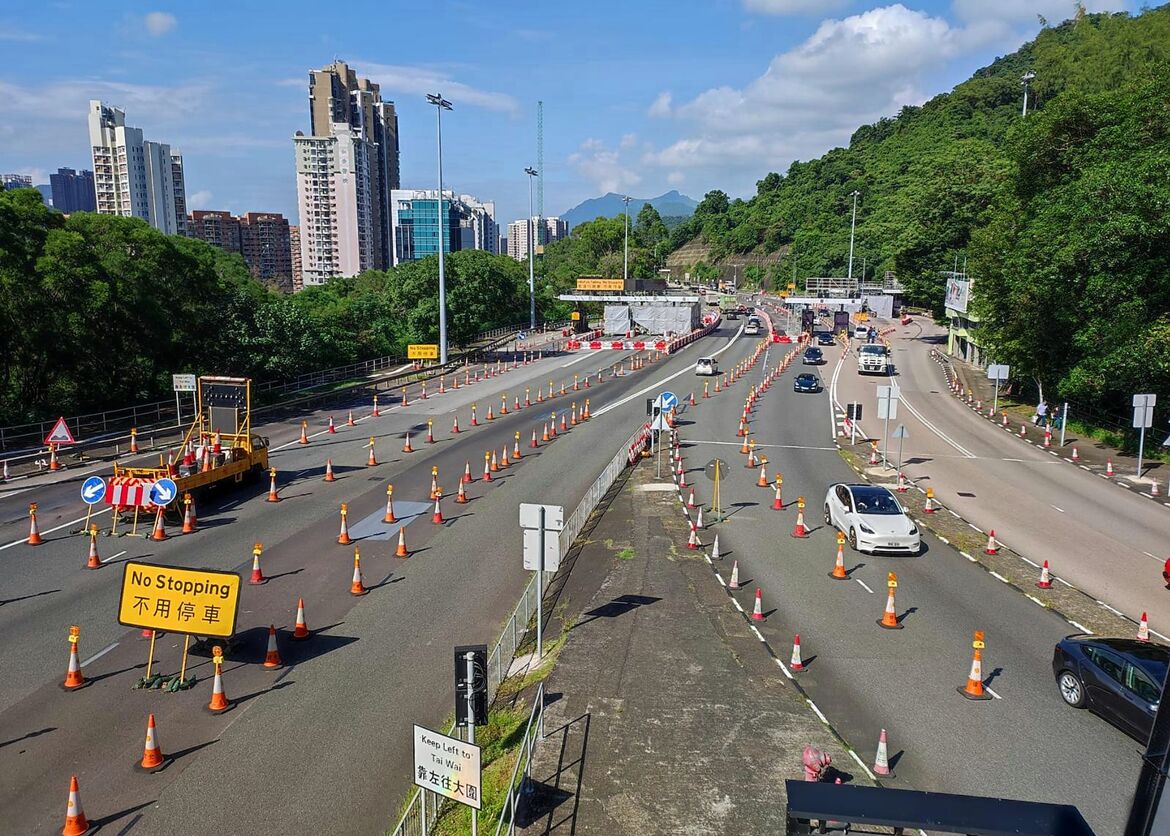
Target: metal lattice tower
540, 159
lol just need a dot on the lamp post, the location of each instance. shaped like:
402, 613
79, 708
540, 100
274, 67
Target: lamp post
441, 104
1025, 79
626, 253
852, 229
531, 172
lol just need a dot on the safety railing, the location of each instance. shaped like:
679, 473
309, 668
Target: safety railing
626, 455
518, 783
516, 628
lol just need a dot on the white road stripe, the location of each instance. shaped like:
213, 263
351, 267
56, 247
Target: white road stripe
863, 586
988, 690
100, 653
737, 605
113, 557
861, 763
757, 632
24, 540
813, 706
1080, 627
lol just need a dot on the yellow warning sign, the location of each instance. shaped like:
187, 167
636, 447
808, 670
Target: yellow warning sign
200, 602
422, 351
575, 316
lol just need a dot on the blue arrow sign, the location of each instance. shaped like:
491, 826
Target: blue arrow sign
666, 401
93, 490
163, 491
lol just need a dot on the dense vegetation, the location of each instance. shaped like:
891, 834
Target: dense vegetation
98, 311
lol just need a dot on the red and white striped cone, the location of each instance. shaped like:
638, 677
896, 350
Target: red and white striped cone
219, 701
257, 575
487, 473
1109, 467
1023, 430
389, 516
758, 610
76, 823
699, 519
467, 472
1076, 456
1045, 581
301, 630
1005, 420
692, 539
881, 763
272, 656
533, 443
455, 425
691, 499
715, 553
437, 517
349, 420
795, 664
778, 501
873, 455
332, 428
1143, 633
1047, 438
992, 546
734, 582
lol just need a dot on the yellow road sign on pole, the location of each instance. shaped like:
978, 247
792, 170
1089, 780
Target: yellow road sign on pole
422, 351
198, 602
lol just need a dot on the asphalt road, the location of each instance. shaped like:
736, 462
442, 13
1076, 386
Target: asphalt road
1024, 744
1106, 541
324, 743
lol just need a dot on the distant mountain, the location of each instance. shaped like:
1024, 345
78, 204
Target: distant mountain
671, 204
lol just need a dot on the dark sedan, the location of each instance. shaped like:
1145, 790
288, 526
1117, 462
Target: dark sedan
813, 356
825, 338
806, 383
1119, 679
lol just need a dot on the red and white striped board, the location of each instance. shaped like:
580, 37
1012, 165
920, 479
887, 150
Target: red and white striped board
128, 491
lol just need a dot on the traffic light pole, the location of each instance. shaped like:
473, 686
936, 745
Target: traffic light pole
470, 657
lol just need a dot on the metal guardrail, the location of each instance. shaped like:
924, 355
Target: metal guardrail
420, 810
533, 734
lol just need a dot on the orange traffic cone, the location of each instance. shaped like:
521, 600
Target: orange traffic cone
53, 463
160, 530
34, 533
75, 822
586, 415
743, 448
778, 501
992, 546
491, 415
272, 657
455, 425
533, 444
349, 420
406, 448
487, 474
1109, 467
257, 576
504, 460
495, 463
430, 431
94, 561
839, 569
467, 472
516, 455
437, 517
356, 587
329, 477
301, 631
189, 522
974, 690
762, 482
758, 611
799, 530
304, 439
881, 763
401, 550
273, 496
73, 677
152, 756
371, 461
795, 664
461, 497
389, 516
343, 536
545, 437
889, 618
929, 508
332, 428
219, 701
1076, 456
1143, 633
1045, 581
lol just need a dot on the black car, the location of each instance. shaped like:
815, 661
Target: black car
813, 356
1119, 679
825, 338
806, 382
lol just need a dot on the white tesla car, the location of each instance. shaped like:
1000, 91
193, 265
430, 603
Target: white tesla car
872, 519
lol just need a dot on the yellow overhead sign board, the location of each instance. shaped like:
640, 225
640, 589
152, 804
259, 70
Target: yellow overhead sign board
200, 602
422, 351
593, 283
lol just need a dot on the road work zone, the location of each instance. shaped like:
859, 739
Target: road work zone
200, 602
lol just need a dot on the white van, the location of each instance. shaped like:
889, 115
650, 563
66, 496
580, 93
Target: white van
861, 332
707, 366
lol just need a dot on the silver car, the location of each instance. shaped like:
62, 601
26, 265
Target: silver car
872, 519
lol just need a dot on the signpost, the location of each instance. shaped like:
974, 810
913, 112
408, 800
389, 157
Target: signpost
900, 434
59, 434
853, 413
542, 525
182, 383
998, 373
163, 492
1143, 418
887, 405
714, 471
93, 491
447, 766
422, 351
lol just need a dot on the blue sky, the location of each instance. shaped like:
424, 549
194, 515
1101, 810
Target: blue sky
639, 97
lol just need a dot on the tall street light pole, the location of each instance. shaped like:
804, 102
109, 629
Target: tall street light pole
1025, 80
531, 172
626, 253
441, 104
852, 230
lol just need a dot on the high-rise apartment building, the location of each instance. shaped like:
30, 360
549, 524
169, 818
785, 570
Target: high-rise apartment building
215, 227
16, 181
134, 177
347, 166
479, 230
262, 238
294, 246
468, 223
73, 190
548, 229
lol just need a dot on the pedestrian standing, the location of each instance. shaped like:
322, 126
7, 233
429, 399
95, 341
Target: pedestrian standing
1041, 412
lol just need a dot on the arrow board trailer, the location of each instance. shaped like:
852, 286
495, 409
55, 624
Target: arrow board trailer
218, 448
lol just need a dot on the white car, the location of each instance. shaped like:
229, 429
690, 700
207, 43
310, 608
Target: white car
872, 518
707, 366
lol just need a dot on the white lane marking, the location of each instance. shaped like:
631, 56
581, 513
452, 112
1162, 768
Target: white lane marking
757, 632
763, 446
999, 576
969, 557
721, 581
1037, 600
100, 653
587, 355
737, 605
1063, 581
863, 586
1113, 610
113, 557
24, 540
1080, 627
1061, 510
687, 368
988, 690
914, 411
813, 706
861, 763
784, 668
1147, 554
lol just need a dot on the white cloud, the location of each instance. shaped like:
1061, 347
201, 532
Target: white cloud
199, 200
159, 23
19, 35
69, 100
676, 178
628, 141
661, 105
422, 80
603, 166
791, 7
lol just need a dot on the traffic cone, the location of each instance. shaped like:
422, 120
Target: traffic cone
343, 536
1045, 581
929, 508
758, 611
495, 463
1047, 438
881, 763
901, 486
301, 631
533, 444
389, 517
1154, 489
375, 413
741, 432
34, 533
839, 567
743, 448
1109, 467
1023, 430
134, 440
73, 677
691, 499
273, 496
552, 426
356, 587
160, 530
693, 539
715, 553
434, 482
487, 474
371, 461
974, 690
257, 575
734, 582
272, 657
873, 455
304, 439
75, 822
53, 463
349, 420
401, 550
189, 522
467, 472
516, 455
430, 431
490, 416
504, 460
889, 618
332, 428
586, 415
461, 496
795, 663
152, 756
1143, 633
94, 561
455, 425
437, 517
329, 477
706, 389
545, 437
762, 482
699, 519
799, 529
992, 546
564, 427
406, 448
777, 501
1076, 457
691, 400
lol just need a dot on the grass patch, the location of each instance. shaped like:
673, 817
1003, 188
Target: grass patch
626, 554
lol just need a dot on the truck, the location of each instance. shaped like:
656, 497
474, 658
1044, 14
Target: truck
841, 322
872, 359
218, 447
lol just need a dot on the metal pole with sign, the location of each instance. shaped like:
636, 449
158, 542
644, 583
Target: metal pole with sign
542, 525
900, 434
998, 373
1143, 417
470, 659
887, 408
1063, 421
